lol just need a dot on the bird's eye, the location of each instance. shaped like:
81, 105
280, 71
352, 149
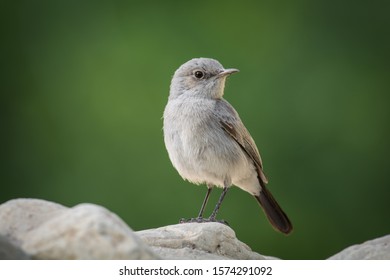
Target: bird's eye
199, 74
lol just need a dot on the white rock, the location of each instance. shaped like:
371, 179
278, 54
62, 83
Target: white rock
47, 230
19, 216
197, 241
9, 251
376, 249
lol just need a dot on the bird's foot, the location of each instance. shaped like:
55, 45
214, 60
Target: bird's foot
202, 220
193, 220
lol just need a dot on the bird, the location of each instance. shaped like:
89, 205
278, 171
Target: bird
208, 143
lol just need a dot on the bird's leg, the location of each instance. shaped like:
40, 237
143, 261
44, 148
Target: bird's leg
214, 213
206, 199
200, 218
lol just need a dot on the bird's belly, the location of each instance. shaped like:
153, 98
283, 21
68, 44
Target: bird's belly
201, 159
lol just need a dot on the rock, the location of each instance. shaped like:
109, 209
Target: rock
376, 249
19, 216
46, 230
197, 241
39, 229
9, 251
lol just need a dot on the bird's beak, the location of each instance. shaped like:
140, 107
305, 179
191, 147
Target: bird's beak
227, 72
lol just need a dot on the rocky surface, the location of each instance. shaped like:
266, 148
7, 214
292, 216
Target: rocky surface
10, 251
197, 241
376, 249
46, 230
38, 229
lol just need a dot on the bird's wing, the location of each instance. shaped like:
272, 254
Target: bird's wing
233, 126
231, 123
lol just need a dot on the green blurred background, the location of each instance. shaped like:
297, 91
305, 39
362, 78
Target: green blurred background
84, 85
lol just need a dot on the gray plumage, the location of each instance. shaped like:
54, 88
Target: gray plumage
207, 142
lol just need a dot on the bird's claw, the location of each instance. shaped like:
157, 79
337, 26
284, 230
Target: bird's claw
202, 220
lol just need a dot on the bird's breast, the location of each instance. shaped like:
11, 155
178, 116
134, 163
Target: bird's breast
200, 150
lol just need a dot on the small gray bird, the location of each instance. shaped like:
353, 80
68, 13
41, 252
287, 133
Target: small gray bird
207, 142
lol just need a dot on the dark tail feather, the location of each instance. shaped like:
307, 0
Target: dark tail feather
274, 213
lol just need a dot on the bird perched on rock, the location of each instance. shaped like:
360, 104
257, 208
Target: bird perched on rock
207, 142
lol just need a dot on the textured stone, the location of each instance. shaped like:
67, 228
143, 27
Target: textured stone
9, 251
20, 216
47, 230
197, 241
376, 249
38, 229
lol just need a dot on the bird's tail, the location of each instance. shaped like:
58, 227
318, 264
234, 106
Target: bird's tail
273, 211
